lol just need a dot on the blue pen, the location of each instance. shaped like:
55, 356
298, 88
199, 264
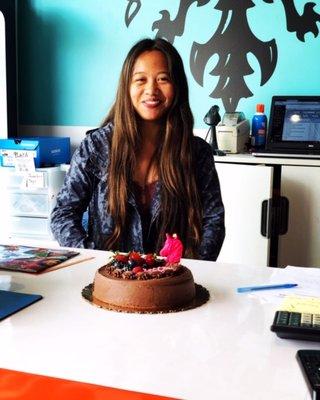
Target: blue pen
266, 287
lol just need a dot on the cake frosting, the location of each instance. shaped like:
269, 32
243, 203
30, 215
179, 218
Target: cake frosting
143, 283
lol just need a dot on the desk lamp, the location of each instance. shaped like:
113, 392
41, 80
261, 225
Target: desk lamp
212, 118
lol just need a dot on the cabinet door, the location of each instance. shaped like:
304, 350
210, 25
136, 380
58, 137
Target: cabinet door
301, 245
243, 188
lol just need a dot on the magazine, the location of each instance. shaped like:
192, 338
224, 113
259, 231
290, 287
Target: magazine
32, 259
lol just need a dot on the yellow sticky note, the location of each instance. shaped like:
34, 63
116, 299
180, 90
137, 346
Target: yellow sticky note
301, 304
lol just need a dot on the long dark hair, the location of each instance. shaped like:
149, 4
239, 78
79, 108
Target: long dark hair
180, 204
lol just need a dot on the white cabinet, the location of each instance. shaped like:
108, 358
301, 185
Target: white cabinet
27, 202
243, 189
301, 244
245, 182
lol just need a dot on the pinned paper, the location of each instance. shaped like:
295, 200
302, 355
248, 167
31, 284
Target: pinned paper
24, 164
33, 180
22, 160
301, 304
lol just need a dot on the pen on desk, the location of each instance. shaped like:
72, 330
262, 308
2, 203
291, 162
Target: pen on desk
266, 287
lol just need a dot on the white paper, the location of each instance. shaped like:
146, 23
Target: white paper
33, 180
5, 282
17, 158
24, 165
307, 279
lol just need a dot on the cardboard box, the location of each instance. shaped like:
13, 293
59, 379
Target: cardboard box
46, 151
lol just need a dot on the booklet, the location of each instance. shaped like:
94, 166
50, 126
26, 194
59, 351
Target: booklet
32, 259
11, 302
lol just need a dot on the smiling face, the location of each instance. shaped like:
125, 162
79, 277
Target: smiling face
151, 88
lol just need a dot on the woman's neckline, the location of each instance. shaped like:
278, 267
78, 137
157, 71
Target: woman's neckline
147, 184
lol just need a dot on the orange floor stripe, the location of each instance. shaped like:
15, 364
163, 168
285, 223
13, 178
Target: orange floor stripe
15, 385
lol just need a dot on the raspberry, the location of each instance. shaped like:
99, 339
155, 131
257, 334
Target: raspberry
150, 260
121, 258
137, 269
135, 256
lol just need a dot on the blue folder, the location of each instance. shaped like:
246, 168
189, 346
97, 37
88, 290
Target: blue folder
11, 302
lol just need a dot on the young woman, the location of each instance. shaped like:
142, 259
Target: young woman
143, 173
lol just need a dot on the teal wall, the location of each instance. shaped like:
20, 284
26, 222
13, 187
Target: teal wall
71, 51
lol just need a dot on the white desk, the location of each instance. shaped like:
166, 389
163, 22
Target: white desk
245, 158
223, 350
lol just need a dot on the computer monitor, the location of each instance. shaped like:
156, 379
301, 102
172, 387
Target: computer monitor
294, 124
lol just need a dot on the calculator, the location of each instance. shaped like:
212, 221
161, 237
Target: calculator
294, 325
309, 361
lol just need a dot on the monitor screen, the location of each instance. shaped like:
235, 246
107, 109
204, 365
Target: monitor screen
295, 119
302, 122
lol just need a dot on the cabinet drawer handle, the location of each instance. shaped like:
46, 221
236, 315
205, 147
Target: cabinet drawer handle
274, 217
265, 220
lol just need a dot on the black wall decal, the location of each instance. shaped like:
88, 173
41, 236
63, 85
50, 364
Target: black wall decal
303, 24
232, 41
131, 13
168, 29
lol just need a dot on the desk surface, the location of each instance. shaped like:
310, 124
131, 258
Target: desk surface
222, 350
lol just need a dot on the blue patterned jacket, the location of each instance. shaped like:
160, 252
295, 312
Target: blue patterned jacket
86, 186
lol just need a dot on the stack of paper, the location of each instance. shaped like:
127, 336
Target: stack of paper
306, 278
301, 304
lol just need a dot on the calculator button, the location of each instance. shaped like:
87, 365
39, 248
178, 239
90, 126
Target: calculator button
316, 321
283, 318
294, 319
306, 319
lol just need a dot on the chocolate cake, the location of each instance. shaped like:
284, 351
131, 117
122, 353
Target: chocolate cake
143, 283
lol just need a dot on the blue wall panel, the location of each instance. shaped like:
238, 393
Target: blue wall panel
71, 51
